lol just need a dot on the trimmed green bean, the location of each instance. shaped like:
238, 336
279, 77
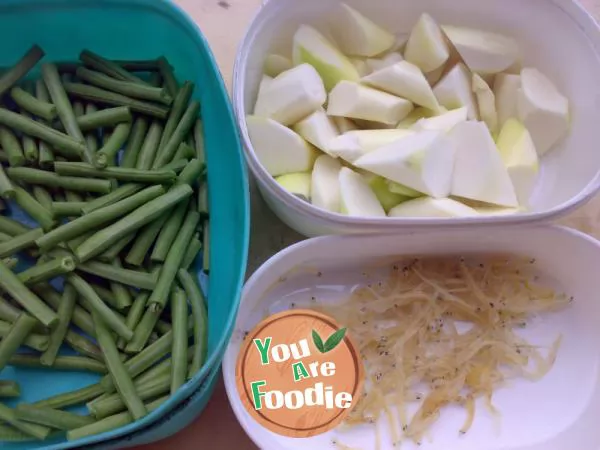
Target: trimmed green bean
63, 106
144, 241
48, 270
27, 299
142, 65
110, 423
163, 327
150, 147
102, 96
12, 146
61, 142
105, 295
184, 151
46, 156
30, 146
134, 144
137, 279
199, 318
107, 154
169, 232
121, 378
35, 341
166, 71
98, 218
192, 172
203, 199
10, 434
79, 169
51, 179
144, 214
69, 363
32, 105
121, 193
158, 370
121, 293
179, 316
57, 336
108, 67
158, 298
20, 242
199, 140
91, 137
17, 334
115, 250
115, 322
53, 418
71, 398
66, 209
191, 142
9, 416
83, 345
79, 111
176, 166
10, 389
178, 107
21, 68
134, 315
104, 118
7, 190
10, 313
128, 88
113, 404
42, 196
206, 246
182, 129
192, 252
12, 227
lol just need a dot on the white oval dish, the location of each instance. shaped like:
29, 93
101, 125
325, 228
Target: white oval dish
557, 36
557, 413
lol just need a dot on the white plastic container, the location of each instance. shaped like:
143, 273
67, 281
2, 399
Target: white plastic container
560, 412
556, 36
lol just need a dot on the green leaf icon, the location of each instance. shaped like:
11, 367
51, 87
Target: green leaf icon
318, 341
334, 340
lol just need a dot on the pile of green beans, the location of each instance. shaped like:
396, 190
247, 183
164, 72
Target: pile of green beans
107, 158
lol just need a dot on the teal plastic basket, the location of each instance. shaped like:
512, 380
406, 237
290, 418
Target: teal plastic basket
146, 29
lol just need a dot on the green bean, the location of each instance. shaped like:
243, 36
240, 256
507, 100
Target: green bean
79, 111
180, 102
66, 209
20, 69
199, 140
11, 263
63, 106
71, 398
17, 334
150, 146
163, 327
121, 293
81, 318
48, 270
144, 359
146, 213
115, 322
134, 145
179, 316
140, 280
113, 404
32, 105
159, 296
191, 142
169, 232
91, 137
192, 252
134, 314
142, 65
12, 147
107, 154
115, 249
42, 196
203, 199
27, 299
9, 389
107, 67
117, 370
159, 370
10, 313
51, 179
155, 79
98, 218
53, 418
105, 295
192, 172
9, 416
199, 319
12, 227
83, 345
69, 363
121, 193
184, 151
176, 166
97, 95
206, 245
35, 341
167, 152
30, 146
10, 434
20, 242
109, 423
166, 71
46, 157
5, 237
104, 118
57, 336
79, 169
144, 241
6, 188
133, 90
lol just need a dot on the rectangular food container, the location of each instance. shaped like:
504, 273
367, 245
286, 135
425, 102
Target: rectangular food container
557, 413
557, 36
140, 29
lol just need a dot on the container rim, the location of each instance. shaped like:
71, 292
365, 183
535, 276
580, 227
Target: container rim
572, 8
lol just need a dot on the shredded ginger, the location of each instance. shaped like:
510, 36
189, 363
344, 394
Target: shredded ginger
439, 332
